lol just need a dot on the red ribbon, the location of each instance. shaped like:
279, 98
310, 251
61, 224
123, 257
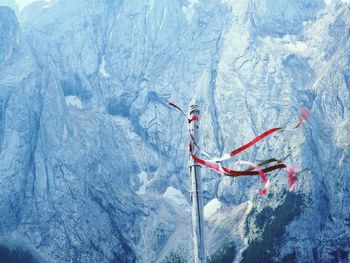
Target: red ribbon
304, 116
254, 141
291, 178
226, 171
217, 167
194, 118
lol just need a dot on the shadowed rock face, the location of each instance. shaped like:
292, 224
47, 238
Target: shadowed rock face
15, 256
93, 163
9, 31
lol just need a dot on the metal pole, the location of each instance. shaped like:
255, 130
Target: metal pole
196, 191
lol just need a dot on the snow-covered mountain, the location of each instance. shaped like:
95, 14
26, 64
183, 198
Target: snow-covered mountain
93, 162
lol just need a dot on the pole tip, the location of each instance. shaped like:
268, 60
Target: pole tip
194, 107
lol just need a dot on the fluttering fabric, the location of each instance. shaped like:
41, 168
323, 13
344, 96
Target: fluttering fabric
214, 163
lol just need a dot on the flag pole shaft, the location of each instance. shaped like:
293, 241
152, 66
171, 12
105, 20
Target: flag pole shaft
196, 191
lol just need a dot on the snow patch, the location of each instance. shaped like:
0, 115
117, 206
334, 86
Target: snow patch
74, 101
23, 3
296, 47
177, 197
144, 181
49, 4
151, 4
65, 132
342, 134
284, 45
328, 2
212, 207
189, 10
103, 70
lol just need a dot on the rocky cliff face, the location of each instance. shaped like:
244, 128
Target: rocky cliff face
93, 163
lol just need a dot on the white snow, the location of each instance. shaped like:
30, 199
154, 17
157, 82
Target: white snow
284, 45
74, 101
189, 10
342, 134
24, 3
103, 70
177, 197
151, 4
144, 181
49, 4
65, 132
212, 207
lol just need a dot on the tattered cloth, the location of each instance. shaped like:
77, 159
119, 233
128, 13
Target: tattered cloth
215, 163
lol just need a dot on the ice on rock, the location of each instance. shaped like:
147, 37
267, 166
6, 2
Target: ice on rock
74, 101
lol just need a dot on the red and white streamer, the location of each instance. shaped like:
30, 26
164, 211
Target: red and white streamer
263, 176
214, 163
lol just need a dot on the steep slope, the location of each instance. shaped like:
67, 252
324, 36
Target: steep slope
94, 163
289, 72
57, 192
